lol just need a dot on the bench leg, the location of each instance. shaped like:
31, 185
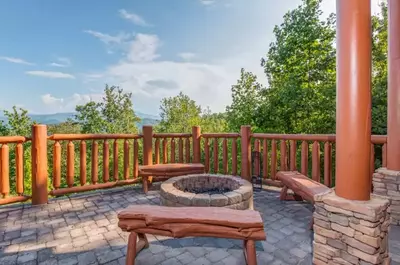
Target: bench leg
131, 251
283, 195
145, 184
135, 246
249, 248
286, 197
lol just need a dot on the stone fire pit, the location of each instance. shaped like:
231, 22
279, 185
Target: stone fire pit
207, 190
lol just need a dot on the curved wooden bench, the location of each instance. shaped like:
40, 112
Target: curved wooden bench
178, 222
165, 171
303, 187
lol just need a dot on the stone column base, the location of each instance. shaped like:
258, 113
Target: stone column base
387, 183
350, 232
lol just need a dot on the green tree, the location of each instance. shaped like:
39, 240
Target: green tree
178, 114
19, 123
246, 99
379, 71
213, 122
300, 67
114, 114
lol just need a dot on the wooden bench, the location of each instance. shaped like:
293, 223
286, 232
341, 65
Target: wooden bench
303, 187
166, 171
179, 222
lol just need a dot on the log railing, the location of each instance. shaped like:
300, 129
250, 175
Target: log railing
12, 169
309, 154
172, 148
102, 150
83, 162
220, 143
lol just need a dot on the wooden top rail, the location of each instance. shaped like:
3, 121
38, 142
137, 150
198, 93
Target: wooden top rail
172, 135
13, 139
220, 135
72, 137
376, 139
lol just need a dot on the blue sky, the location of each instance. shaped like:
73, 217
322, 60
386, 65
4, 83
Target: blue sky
57, 54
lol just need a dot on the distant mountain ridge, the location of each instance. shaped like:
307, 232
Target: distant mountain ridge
58, 118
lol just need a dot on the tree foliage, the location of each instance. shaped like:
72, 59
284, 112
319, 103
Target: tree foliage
114, 114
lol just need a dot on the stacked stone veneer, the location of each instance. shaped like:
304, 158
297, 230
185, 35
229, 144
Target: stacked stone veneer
350, 232
239, 197
387, 183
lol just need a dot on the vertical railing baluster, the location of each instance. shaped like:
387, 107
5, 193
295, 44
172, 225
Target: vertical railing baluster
256, 159
126, 159
265, 159
293, 149
273, 160
180, 146
225, 156
327, 164
316, 168
304, 158
283, 166
115, 160
187, 150
106, 161
82, 163
56, 165
206, 155
70, 164
157, 151
95, 151
172, 158
5, 171
135, 158
372, 161
19, 168
216, 160
165, 151
234, 156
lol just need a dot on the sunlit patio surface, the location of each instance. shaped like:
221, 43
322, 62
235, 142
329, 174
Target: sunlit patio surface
83, 229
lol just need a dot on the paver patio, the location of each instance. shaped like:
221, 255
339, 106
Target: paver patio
83, 229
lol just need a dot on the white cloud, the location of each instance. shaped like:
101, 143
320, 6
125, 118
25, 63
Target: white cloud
61, 62
15, 60
135, 18
109, 39
54, 104
207, 2
50, 74
144, 48
50, 100
187, 56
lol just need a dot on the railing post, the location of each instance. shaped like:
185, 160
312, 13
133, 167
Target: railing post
245, 133
148, 145
196, 133
39, 164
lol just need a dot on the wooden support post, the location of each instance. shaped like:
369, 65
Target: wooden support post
353, 111
245, 133
196, 133
39, 164
393, 126
147, 153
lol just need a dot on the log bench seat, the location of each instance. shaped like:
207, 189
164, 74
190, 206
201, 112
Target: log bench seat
165, 171
179, 222
303, 187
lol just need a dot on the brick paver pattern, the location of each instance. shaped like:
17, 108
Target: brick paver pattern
84, 230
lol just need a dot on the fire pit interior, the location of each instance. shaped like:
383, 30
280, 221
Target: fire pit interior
207, 190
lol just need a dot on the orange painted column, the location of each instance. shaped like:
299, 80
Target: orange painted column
353, 107
393, 126
39, 164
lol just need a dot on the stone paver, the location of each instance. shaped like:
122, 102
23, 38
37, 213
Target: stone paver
83, 229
